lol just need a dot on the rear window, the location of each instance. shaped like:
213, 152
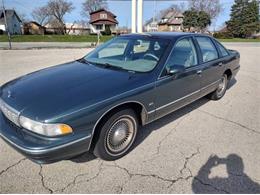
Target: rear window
222, 49
209, 52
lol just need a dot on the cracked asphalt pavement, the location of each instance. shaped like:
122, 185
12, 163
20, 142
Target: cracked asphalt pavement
205, 147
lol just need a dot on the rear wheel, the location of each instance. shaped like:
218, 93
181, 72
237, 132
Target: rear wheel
117, 134
221, 89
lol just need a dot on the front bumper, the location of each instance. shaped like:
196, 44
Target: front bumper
42, 149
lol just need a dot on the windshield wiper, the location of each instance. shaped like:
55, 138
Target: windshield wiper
107, 65
83, 60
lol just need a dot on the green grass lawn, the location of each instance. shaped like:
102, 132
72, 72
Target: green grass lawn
54, 38
239, 40
82, 38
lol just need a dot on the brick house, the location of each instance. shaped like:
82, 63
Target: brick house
100, 19
171, 21
33, 28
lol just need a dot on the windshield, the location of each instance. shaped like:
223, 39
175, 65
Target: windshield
128, 53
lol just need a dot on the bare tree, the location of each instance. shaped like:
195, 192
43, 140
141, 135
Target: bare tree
41, 15
92, 5
57, 9
178, 7
22, 17
212, 7
56, 26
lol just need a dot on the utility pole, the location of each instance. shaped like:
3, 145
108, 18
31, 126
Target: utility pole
6, 27
133, 16
140, 16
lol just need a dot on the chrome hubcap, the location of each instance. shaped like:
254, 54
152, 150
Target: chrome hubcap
120, 135
221, 86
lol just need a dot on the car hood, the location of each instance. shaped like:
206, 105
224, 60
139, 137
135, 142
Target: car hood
47, 93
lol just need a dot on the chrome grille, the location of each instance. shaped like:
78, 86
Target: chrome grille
10, 113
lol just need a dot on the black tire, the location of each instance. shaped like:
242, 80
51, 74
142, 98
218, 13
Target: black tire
119, 130
221, 90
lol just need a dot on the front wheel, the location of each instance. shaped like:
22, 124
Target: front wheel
221, 89
117, 134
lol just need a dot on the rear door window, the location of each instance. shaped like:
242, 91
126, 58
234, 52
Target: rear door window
209, 52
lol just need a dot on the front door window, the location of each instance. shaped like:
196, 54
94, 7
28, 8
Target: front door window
183, 54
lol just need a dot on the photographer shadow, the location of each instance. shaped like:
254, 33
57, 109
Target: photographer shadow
237, 181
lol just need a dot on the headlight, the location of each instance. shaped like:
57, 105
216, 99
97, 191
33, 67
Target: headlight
44, 129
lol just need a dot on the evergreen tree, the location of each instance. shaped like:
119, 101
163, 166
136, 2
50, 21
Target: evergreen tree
244, 18
190, 19
196, 19
203, 20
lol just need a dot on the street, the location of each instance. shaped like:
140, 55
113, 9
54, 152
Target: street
205, 147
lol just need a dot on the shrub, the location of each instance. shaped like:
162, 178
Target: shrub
223, 35
107, 31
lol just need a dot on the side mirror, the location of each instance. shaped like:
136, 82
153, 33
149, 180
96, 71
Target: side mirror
175, 69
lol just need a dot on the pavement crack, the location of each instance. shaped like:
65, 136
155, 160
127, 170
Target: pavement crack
130, 174
230, 121
187, 159
11, 166
158, 148
42, 181
142, 175
74, 182
210, 185
170, 181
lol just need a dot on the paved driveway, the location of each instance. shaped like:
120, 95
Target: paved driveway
208, 146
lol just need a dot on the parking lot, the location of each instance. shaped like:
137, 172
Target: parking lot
205, 147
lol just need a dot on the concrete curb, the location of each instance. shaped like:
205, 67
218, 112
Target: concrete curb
46, 45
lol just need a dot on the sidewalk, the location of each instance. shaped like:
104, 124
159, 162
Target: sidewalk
46, 45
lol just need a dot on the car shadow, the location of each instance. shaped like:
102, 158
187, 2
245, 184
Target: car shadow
236, 181
231, 83
158, 124
149, 128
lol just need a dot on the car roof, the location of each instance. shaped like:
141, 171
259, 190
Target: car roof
166, 35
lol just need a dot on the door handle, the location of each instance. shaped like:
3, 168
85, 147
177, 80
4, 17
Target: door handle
199, 72
220, 64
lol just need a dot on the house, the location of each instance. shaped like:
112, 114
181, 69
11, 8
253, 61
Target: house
13, 21
123, 30
151, 25
33, 28
171, 21
53, 27
102, 19
77, 29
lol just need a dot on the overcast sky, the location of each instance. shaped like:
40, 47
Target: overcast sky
121, 8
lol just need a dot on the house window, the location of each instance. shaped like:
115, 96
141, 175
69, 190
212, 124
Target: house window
99, 27
103, 16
